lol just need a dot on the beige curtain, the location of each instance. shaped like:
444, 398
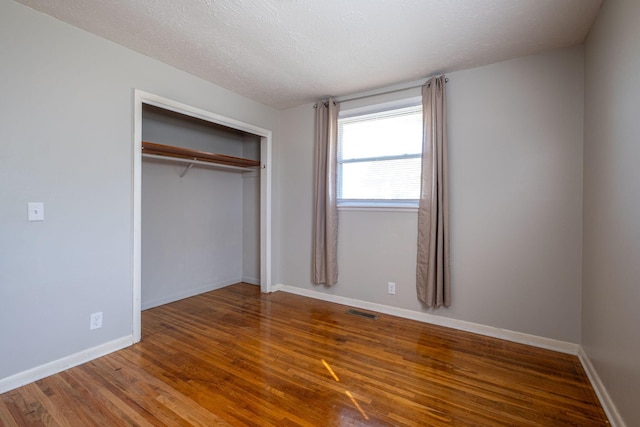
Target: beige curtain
325, 218
432, 272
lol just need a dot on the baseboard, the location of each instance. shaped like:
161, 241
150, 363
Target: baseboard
519, 337
615, 419
251, 280
43, 371
187, 293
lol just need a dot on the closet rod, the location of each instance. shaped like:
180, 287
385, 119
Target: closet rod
220, 166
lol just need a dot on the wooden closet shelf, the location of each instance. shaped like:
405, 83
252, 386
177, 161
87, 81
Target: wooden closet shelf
196, 155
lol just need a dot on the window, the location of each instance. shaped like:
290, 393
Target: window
379, 157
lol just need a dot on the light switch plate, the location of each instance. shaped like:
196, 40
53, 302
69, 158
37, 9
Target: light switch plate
391, 288
36, 211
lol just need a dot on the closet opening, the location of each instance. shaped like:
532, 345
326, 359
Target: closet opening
202, 186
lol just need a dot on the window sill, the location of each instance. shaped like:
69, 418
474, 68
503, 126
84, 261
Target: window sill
383, 208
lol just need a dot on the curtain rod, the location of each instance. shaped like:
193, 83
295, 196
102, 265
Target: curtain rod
383, 91
380, 91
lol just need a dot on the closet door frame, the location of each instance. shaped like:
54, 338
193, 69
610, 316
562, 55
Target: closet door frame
144, 98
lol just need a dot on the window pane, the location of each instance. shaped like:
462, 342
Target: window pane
388, 133
387, 180
379, 156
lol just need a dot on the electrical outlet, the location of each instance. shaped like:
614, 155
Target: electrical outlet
35, 211
391, 287
96, 321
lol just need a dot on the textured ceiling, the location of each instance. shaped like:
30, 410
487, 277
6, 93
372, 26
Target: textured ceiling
285, 53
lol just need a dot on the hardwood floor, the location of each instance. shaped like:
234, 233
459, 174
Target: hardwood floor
237, 357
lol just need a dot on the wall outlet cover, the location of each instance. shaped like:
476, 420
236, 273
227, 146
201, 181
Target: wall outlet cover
35, 211
96, 321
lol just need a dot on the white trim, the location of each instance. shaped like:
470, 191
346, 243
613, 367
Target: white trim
136, 326
68, 362
51, 368
186, 294
406, 209
404, 108
518, 337
379, 107
179, 107
266, 173
615, 419
141, 97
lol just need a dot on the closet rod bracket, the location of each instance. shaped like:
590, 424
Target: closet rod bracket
186, 169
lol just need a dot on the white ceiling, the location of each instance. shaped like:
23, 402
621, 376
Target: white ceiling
285, 53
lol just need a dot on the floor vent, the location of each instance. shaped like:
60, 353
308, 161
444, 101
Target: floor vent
362, 314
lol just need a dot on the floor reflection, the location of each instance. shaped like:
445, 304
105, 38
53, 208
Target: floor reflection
347, 392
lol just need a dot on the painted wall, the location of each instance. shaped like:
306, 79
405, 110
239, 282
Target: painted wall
611, 271
251, 213
192, 227
167, 127
251, 228
192, 231
66, 123
516, 199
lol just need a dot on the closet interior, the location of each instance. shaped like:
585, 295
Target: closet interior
200, 206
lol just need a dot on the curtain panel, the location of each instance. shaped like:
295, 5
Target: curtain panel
325, 218
432, 271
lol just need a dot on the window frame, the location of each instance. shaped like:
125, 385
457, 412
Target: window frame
376, 204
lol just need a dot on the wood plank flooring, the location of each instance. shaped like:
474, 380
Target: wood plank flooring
235, 357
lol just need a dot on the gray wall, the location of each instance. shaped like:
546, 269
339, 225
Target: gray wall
251, 213
516, 199
169, 128
191, 231
611, 267
516, 156
66, 121
251, 228
192, 227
